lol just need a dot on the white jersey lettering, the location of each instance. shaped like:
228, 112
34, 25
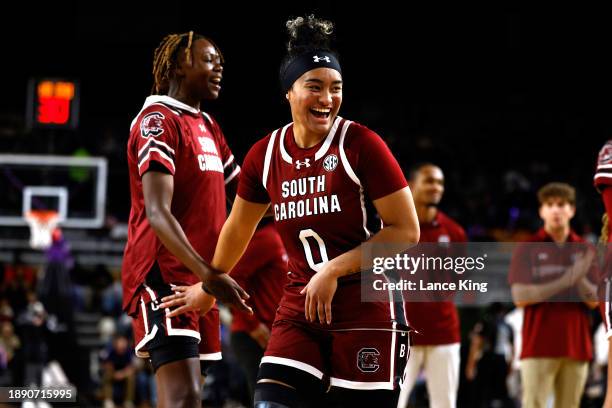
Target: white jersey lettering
307, 207
209, 162
303, 186
208, 145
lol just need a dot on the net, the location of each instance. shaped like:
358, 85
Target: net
42, 224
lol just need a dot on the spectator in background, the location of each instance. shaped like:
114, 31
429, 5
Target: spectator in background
490, 359
544, 274
33, 332
8, 340
112, 296
119, 374
9, 343
436, 344
55, 290
18, 280
6, 311
10, 346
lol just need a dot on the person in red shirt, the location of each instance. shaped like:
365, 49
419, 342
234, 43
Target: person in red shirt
603, 181
546, 273
436, 343
324, 178
262, 272
179, 169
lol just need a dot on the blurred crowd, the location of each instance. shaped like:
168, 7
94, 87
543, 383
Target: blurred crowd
43, 342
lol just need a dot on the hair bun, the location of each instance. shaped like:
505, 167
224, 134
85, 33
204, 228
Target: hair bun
308, 33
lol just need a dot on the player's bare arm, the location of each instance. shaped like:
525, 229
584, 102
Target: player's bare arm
157, 190
235, 236
237, 233
529, 294
401, 227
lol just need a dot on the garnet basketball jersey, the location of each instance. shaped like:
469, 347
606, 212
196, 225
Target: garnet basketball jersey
321, 196
189, 145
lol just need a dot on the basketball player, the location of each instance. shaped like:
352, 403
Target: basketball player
436, 345
603, 181
320, 174
180, 167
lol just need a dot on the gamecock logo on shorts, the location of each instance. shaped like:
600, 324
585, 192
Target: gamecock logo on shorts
367, 360
151, 124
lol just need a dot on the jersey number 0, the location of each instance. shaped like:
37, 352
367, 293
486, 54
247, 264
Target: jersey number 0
304, 235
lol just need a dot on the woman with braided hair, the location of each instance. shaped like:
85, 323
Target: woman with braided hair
180, 169
324, 177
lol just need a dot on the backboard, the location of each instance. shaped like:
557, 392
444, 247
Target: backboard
75, 187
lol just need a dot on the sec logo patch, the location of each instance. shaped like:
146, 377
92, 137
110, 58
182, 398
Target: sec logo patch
331, 162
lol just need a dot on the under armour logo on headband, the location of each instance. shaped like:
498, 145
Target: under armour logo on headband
316, 58
296, 66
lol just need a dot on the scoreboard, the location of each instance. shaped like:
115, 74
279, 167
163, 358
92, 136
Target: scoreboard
53, 103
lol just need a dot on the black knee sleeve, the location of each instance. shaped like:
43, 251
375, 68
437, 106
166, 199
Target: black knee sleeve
345, 398
173, 349
273, 395
308, 389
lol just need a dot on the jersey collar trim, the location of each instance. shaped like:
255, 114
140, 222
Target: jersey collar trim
322, 150
283, 151
167, 100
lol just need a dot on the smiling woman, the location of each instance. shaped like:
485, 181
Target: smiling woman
312, 79
178, 154
317, 173
166, 55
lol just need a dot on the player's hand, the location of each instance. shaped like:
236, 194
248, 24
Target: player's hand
188, 298
319, 294
261, 335
227, 291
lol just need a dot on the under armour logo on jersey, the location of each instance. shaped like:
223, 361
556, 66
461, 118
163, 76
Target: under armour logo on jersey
299, 164
330, 162
202, 127
316, 58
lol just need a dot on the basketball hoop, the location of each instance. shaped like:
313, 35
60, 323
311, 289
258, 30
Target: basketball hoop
42, 224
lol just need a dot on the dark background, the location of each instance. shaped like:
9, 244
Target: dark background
504, 99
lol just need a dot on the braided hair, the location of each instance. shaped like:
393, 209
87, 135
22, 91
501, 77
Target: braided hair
165, 57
